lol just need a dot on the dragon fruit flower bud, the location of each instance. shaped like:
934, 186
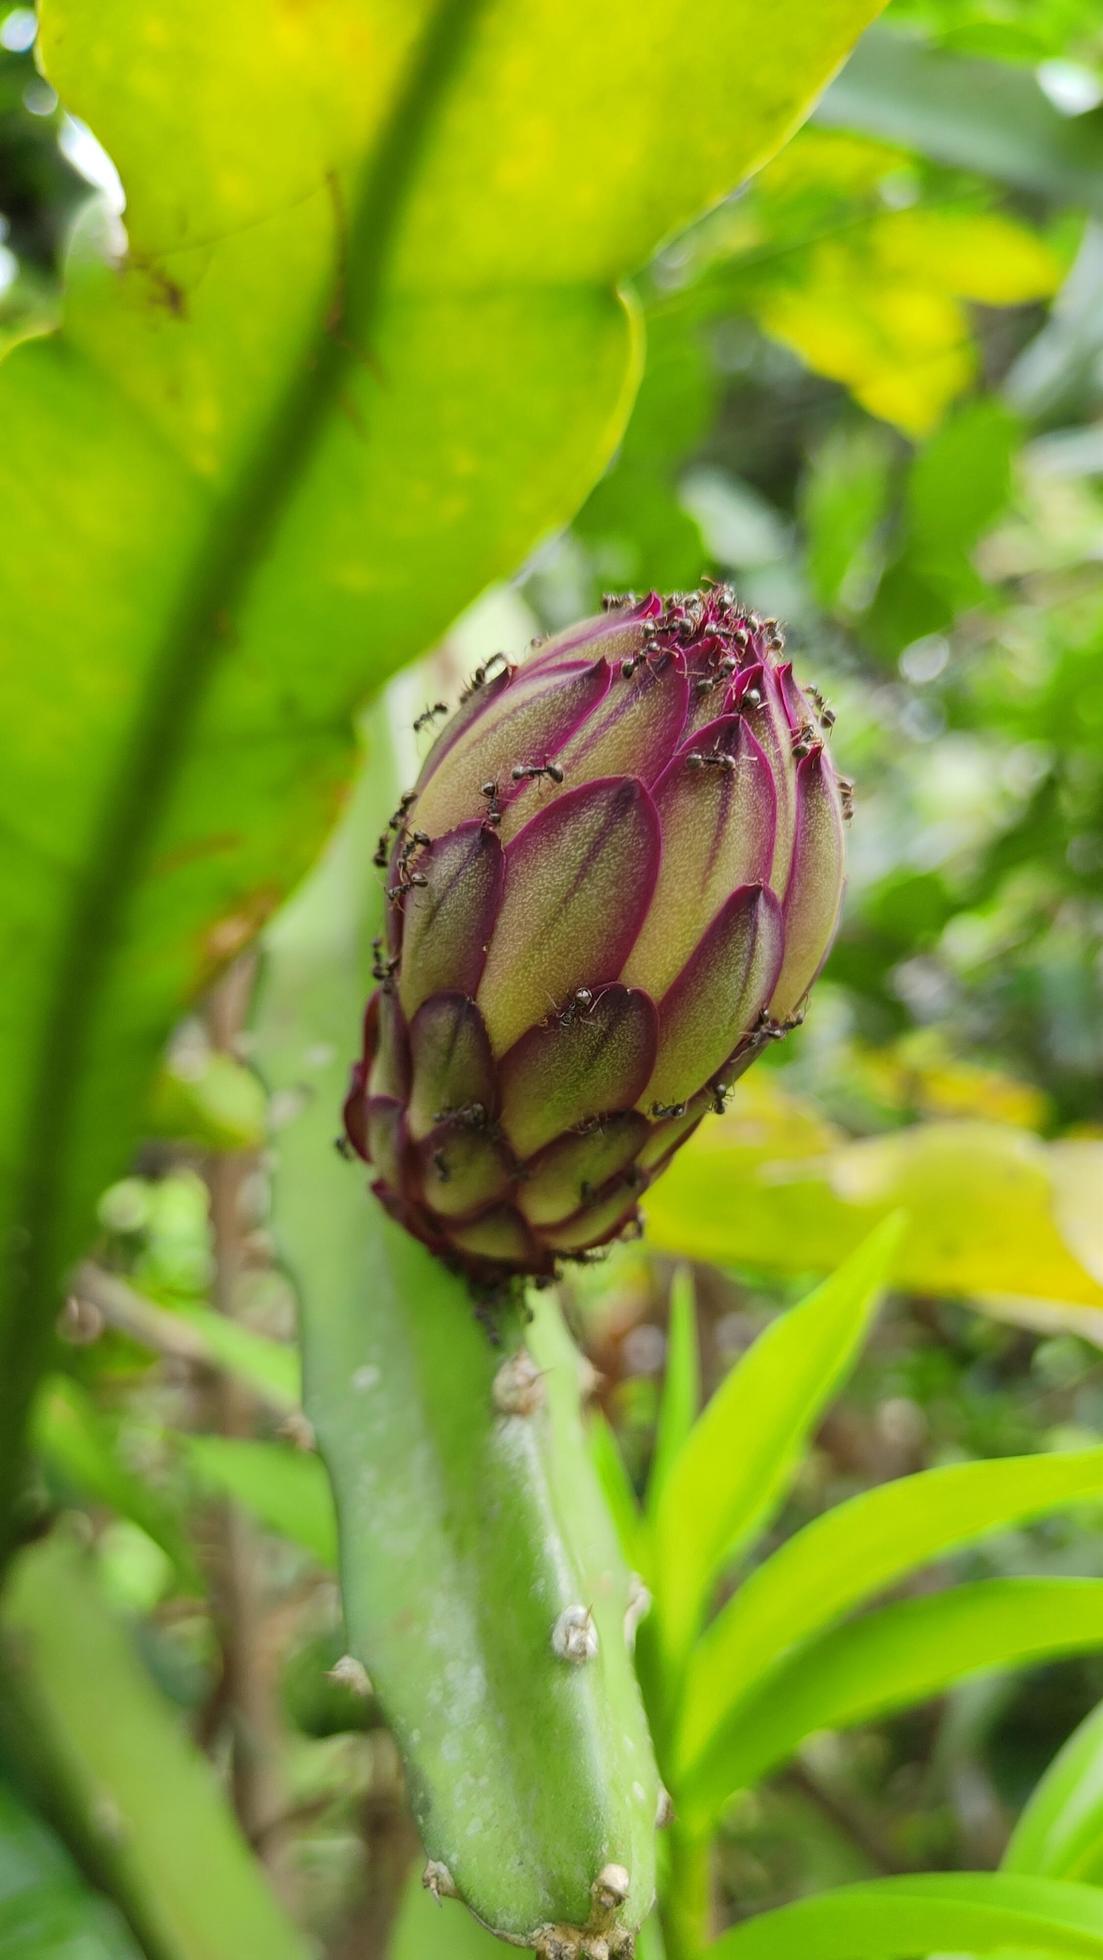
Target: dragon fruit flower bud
617, 878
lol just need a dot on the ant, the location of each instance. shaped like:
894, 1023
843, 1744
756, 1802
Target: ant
525, 770
493, 815
428, 716
382, 969
482, 674
418, 840
661, 1109
406, 881
382, 852
405, 803
440, 1165
344, 1148
720, 1093
846, 793
718, 759
581, 1002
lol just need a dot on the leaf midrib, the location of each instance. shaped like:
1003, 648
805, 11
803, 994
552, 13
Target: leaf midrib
181, 672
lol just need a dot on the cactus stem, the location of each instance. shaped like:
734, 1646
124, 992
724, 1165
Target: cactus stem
519, 1385
574, 1635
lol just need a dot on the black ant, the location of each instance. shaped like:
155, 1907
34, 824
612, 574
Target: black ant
418, 840
525, 770
482, 674
468, 1116
406, 881
846, 793
382, 852
580, 1003
404, 804
718, 759
382, 969
720, 1093
429, 715
344, 1148
661, 1109
493, 815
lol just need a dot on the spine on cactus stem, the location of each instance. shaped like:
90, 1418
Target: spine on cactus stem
614, 882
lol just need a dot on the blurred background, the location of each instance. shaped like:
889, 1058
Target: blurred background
874, 402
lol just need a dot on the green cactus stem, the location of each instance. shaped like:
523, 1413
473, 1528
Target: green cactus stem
483, 1589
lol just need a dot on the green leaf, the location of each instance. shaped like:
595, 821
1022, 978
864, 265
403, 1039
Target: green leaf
46, 1909
212, 1102
1060, 1832
901, 1654
140, 1796
974, 115
366, 346
616, 1488
287, 1489
80, 1448
681, 1385
977, 1912
740, 1455
991, 1209
848, 1556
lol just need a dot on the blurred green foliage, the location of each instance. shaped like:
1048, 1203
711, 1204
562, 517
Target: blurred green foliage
872, 397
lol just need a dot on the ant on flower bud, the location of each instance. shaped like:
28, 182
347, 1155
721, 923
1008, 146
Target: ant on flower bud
580, 1003
662, 1110
416, 841
344, 1148
482, 674
382, 852
720, 1093
428, 715
846, 795
404, 803
493, 815
532, 769
406, 881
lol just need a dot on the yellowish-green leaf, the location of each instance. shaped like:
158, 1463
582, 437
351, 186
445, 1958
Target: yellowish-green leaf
991, 1209
1060, 1832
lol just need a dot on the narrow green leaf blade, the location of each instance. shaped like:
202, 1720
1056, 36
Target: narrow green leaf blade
46, 1909
287, 1489
975, 1912
1060, 1832
738, 1458
616, 1488
173, 1852
681, 1385
856, 1551
900, 1654
81, 1448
